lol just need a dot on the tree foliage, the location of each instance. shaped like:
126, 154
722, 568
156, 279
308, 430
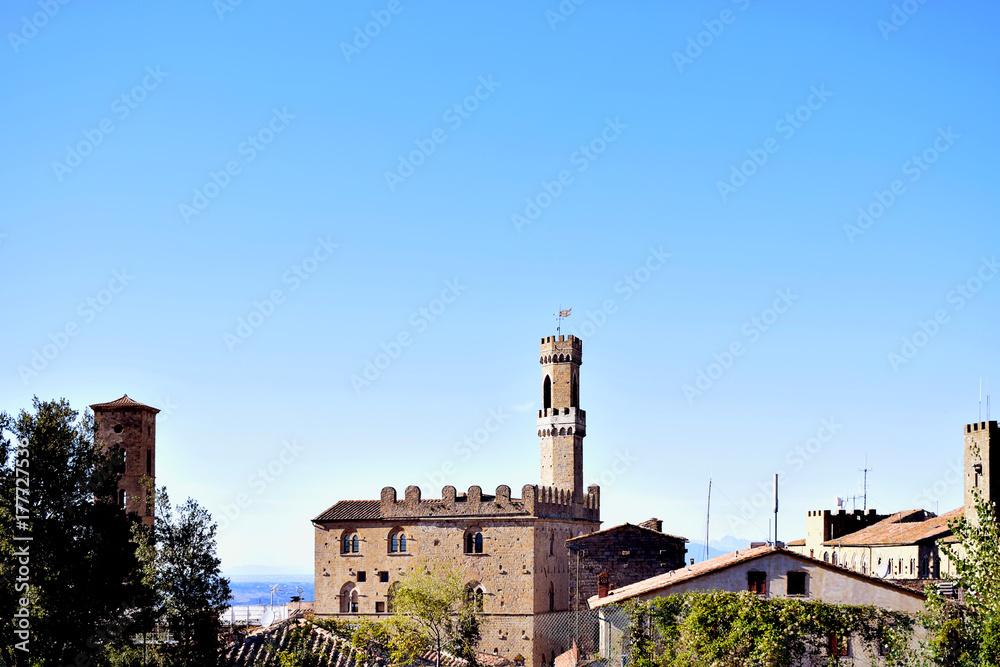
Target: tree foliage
85, 591
730, 629
182, 566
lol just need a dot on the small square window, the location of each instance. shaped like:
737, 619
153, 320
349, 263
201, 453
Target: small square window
362, 575
757, 582
796, 583
383, 577
379, 607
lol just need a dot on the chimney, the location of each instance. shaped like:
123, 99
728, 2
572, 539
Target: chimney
602, 585
653, 524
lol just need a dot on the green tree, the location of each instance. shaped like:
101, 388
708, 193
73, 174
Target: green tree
85, 589
976, 559
433, 610
182, 566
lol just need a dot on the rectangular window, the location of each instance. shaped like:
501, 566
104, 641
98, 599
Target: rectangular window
757, 582
383, 577
796, 583
379, 607
362, 575
836, 645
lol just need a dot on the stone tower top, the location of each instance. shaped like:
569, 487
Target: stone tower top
561, 423
980, 459
131, 427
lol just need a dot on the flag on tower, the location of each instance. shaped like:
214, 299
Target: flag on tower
565, 313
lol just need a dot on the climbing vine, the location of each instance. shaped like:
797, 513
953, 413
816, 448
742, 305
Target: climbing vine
730, 629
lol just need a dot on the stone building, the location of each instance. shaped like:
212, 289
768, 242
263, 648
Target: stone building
624, 555
130, 425
904, 546
511, 549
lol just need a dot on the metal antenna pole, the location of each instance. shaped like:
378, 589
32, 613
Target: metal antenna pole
708, 514
864, 488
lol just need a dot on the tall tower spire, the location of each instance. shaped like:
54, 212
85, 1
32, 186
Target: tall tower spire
562, 425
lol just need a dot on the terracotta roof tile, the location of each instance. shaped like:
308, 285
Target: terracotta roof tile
352, 510
900, 528
625, 525
796, 543
123, 402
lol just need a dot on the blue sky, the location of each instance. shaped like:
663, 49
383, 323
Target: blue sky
686, 176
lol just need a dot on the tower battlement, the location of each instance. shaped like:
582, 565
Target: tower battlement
535, 501
561, 349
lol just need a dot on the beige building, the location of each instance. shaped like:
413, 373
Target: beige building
767, 570
511, 549
904, 546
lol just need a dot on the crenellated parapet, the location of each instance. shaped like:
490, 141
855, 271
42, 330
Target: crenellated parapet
451, 503
535, 500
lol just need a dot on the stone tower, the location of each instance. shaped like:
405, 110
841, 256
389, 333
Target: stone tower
562, 425
979, 460
131, 426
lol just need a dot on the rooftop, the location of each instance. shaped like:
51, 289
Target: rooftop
907, 527
123, 403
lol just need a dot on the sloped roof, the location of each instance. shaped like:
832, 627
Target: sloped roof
619, 527
352, 510
674, 577
123, 403
900, 528
796, 543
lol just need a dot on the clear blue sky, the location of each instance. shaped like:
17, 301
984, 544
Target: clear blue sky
216, 162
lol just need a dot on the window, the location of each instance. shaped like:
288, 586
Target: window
574, 391
349, 543
796, 583
362, 576
379, 607
118, 428
383, 577
473, 541
348, 598
547, 393
913, 565
836, 645
397, 541
475, 593
826, 556
833, 558
552, 597
149, 464
121, 498
552, 543
757, 582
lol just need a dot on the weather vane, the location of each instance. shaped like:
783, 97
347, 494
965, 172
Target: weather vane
559, 318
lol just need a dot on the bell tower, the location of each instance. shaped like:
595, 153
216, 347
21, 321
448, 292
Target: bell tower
131, 426
562, 425
979, 463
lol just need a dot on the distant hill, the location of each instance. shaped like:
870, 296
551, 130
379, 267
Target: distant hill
718, 547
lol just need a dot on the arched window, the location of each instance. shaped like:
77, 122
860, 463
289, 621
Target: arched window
913, 565
348, 599
552, 597
826, 556
473, 541
834, 558
475, 594
121, 498
552, 544
397, 541
350, 543
547, 393
574, 391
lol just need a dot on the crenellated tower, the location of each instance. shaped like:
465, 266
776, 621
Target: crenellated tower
979, 463
562, 425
